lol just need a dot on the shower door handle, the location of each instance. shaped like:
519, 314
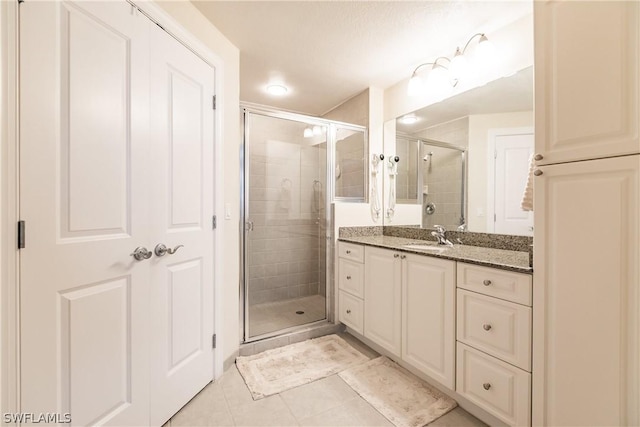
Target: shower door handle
248, 225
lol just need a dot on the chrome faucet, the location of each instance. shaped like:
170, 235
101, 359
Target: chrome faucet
441, 235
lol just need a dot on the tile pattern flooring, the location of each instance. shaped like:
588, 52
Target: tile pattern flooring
274, 316
326, 402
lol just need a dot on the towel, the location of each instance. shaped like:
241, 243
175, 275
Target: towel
527, 198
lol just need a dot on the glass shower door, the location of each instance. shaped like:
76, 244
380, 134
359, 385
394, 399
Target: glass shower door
285, 224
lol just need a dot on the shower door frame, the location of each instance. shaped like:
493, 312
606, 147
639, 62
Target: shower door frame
331, 125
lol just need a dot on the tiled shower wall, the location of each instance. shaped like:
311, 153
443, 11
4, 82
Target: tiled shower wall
406, 182
350, 164
286, 205
442, 173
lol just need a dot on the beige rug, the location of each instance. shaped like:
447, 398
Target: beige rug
277, 370
400, 396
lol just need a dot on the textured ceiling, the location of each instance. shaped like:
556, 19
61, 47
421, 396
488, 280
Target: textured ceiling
329, 51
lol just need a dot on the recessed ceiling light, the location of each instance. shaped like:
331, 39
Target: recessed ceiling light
277, 90
409, 119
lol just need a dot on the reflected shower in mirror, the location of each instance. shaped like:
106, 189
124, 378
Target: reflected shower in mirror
485, 134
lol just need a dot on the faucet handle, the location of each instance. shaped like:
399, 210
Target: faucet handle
439, 228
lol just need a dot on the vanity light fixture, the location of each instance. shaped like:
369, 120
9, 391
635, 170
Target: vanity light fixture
277, 90
458, 67
308, 132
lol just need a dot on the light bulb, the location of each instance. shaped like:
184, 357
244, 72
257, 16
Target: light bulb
409, 119
277, 90
459, 66
438, 83
308, 132
486, 50
415, 86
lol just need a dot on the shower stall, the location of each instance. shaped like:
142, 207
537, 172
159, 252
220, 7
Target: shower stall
289, 182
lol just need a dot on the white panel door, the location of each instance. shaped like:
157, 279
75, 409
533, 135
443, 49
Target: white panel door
586, 89
83, 195
182, 87
586, 304
382, 293
428, 316
512, 153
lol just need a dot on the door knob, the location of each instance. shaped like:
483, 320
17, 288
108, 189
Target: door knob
141, 253
161, 249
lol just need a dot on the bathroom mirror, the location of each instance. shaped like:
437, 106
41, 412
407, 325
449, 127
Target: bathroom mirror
464, 160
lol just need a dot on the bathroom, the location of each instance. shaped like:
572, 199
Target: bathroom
324, 192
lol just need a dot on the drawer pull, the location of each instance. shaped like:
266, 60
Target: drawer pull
539, 157
348, 277
403, 256
486, 282
348, 311
348, 251
486, 327
486, 386
396, 255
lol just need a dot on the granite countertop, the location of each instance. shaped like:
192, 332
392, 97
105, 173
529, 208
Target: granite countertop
497, 258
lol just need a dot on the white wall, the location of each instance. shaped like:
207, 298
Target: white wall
478, 158
192, 20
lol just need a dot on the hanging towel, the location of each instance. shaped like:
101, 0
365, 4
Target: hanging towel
527, 198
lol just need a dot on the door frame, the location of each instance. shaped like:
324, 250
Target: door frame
10, 184
492, 134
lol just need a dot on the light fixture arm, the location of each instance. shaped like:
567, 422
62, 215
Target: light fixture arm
469, 41
434, 63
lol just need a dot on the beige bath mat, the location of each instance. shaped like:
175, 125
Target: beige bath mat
277, 370
400, 396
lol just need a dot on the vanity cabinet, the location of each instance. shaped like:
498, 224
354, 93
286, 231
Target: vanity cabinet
351, 285
382, 303
410, 309
494, 341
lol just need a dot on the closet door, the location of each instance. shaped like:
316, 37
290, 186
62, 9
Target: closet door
182, 112
84, 195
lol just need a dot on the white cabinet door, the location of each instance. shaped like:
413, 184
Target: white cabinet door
84, 195
428, 316
586, 88
382, 291
586, 295
181, 117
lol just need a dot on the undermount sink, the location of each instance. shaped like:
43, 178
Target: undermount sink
425, 247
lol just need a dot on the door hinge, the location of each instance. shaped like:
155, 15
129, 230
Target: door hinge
214, 102
495, 217
214, 222
213, 341
21, 236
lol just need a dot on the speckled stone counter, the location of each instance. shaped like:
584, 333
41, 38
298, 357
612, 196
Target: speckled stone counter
517, 261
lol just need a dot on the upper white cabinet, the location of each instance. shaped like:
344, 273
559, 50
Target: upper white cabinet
586, 79
382, 303
428, 316
586, 294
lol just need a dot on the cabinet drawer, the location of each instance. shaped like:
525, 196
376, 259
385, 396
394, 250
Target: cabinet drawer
351, 251
351, 277
501, 389
351, 311
497, 327
507, 285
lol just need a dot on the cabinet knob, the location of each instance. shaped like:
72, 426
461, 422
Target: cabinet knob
486, 327
348, 277
537, 172
486, 386
348, 251
403, 256
348, 311
396, 255
486, 282
538, 157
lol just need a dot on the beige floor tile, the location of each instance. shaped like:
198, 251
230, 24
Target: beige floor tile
270, 411
457, 418
207, 408
235, 390
318, 396
355, 412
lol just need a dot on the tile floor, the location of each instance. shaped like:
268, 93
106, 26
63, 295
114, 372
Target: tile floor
326, 402
274, 316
